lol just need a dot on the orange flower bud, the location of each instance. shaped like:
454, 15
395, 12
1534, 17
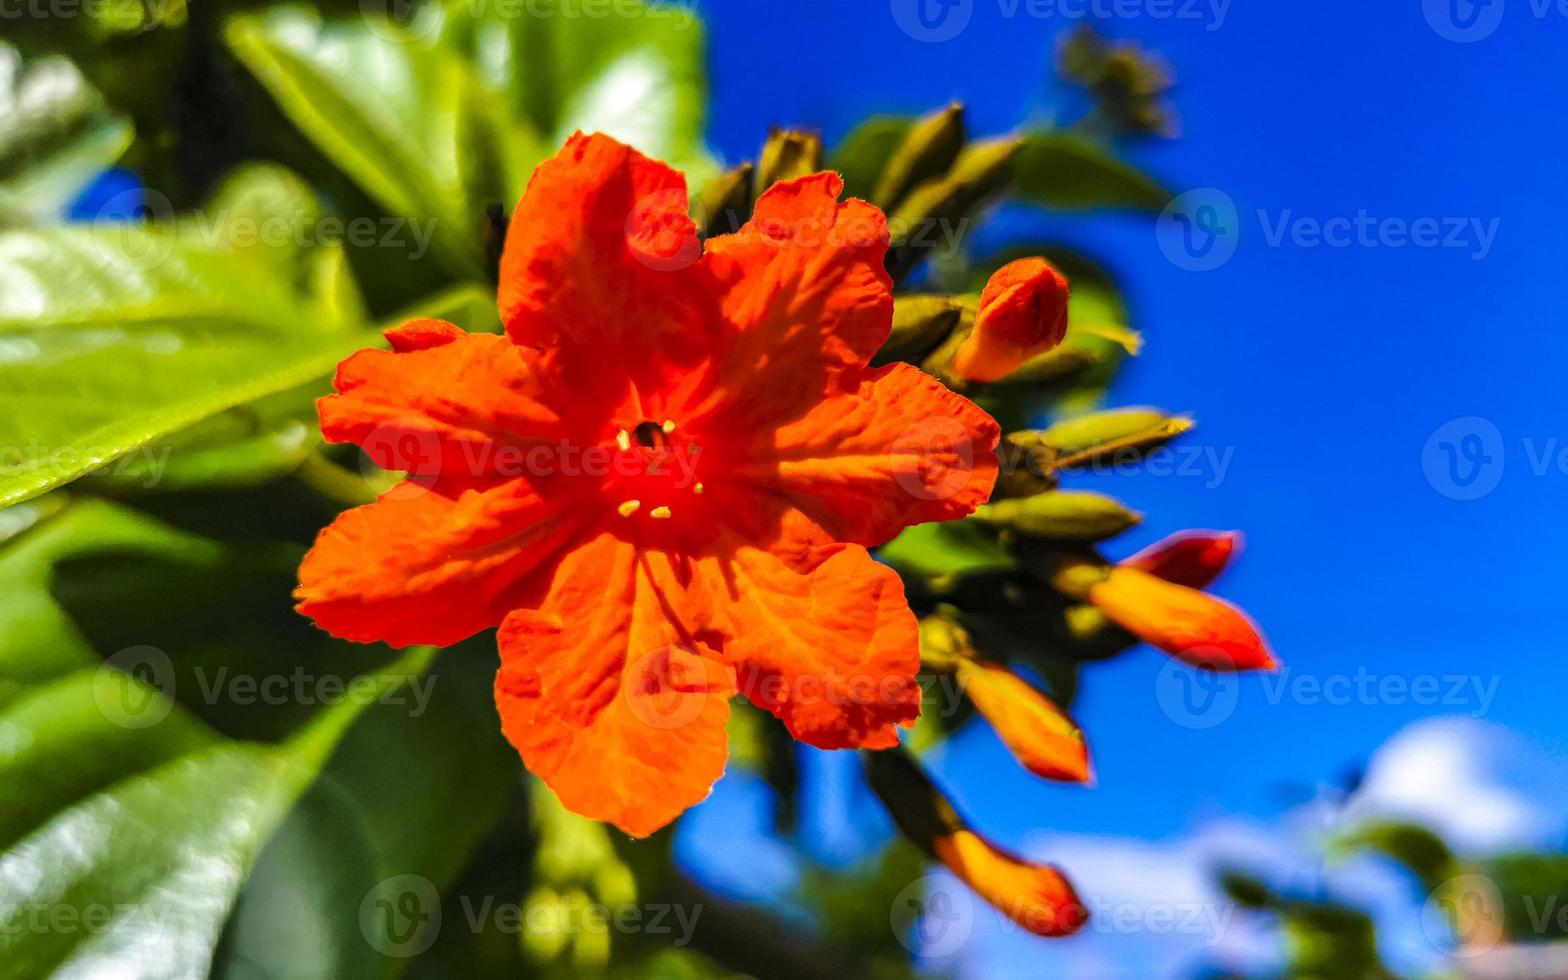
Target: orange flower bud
1036, 731
1036, 896
1023, 312
1189, 625
1190, 558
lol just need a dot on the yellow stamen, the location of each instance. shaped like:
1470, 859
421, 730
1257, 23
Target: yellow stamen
661, 513
668, 426
697, 488
623, 439
628, 507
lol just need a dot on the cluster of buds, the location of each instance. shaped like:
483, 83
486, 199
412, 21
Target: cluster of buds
1128, 84
1023, 344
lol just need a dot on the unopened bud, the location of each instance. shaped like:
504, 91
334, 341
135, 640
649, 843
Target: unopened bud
926, 152
1037, 732
1190, 558
788, 153
725, 203
1022, 313
1072, 515
1192, 626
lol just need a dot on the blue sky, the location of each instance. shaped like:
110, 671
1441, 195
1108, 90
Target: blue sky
1321, 375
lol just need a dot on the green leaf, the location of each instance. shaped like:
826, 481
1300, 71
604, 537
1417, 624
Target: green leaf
112, 336
1069, 172
128, 825
56, 134
633, 71
950, 548
404, 116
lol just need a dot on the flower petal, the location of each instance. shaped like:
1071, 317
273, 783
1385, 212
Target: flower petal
600, 270
805, 298
429, 564
900, 449
832, 651
609, 697
441, 401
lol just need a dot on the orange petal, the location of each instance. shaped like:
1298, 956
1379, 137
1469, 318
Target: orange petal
1035, 730
600, 270
899, 449
1023, 312
1036, 896
1191, 558
611, 700
441, 401
428, 564
805, 299
832, 651
1190, 625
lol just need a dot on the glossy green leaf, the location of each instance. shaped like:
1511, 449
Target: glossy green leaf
1070, 172
951, 548
631, 69
400, 113
128, 825
112, 336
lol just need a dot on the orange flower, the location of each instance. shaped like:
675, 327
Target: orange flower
1023, 312
1036, 731
660, 483
1036, 896
1190, 625
1191, 558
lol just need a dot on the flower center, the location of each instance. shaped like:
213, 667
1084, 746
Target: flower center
655, 471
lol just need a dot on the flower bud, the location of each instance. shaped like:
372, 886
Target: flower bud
1023, 313
1036, 896
1070, 515
1190, 558
725, 203
788, 153
1038, 733
1191, 626
926, 152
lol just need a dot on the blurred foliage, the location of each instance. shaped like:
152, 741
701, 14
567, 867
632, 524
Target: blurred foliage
299, 177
